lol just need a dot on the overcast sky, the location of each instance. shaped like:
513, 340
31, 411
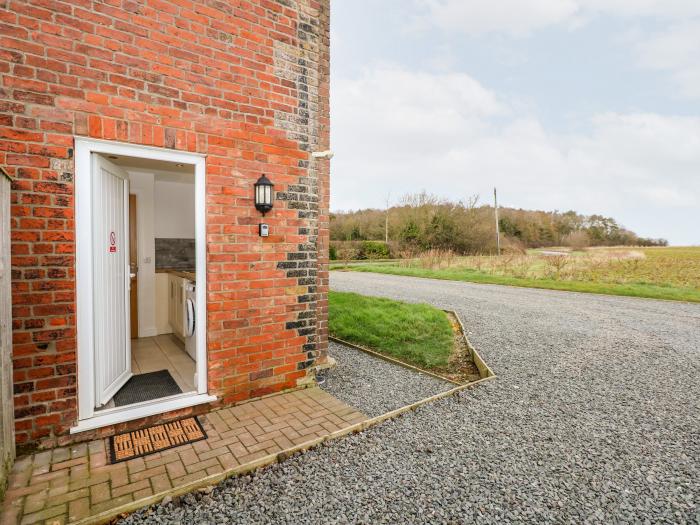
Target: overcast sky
591, 105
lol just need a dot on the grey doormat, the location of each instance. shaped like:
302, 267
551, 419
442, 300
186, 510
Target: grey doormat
145, 387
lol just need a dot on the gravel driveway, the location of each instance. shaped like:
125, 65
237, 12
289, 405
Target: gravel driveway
593, 419
375, 386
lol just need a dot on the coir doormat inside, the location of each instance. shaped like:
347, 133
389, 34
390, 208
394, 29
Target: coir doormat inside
157, 438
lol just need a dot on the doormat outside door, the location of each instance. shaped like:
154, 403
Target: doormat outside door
139, 443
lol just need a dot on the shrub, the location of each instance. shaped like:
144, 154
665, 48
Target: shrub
577, 240
360, 250
555, 264
347, 251
435, 259
374, 250
512, 245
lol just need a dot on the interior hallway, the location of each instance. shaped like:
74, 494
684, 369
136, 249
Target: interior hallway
163, 352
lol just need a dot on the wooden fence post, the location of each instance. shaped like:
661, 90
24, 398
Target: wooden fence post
7, 419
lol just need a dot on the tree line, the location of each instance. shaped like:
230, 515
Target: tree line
423, 222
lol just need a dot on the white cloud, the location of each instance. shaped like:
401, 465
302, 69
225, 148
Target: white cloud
409, 104
522, 17
398, 131
668, 9
514, 17
676, 49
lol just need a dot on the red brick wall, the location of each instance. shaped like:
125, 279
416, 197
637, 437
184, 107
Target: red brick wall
245, 82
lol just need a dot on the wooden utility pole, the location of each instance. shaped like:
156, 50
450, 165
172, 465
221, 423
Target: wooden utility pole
386, 220
498, 226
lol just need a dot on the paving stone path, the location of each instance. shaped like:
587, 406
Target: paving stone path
76, 483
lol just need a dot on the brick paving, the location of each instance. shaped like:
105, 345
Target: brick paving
72, 484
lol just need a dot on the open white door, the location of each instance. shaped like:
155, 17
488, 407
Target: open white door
111, 279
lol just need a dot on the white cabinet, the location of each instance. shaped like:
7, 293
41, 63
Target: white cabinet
176, 301
163, 304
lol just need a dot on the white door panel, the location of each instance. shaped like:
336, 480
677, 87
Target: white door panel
110, 199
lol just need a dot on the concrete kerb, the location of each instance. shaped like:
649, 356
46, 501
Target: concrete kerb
484, 369
279, 457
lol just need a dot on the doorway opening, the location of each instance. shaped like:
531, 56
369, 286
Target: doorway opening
141, 281
158, 358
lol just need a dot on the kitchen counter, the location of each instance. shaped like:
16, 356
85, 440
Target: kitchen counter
185, 274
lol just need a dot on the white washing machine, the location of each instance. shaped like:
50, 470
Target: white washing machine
190, 316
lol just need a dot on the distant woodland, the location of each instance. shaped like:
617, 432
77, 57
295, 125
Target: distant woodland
423, 222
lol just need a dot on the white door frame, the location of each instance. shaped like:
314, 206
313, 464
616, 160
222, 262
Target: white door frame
87, 419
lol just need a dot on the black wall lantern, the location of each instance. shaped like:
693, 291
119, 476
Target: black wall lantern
263, 202
263, 194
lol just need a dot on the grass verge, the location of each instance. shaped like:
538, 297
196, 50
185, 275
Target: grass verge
416, 333
649, 291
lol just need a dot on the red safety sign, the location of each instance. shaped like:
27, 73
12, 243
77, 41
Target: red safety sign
112, 242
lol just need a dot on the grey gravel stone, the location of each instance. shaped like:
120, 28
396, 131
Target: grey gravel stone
593, 419
375, 386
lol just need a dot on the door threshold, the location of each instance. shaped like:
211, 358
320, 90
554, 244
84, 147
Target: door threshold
112, 416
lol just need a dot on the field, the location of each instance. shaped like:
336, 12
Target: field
658, 273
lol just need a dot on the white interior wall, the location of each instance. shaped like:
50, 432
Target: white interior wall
174, 210
143, 185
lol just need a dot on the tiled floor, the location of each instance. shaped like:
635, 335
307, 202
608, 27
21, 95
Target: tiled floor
72, 484
163, 352
150, 354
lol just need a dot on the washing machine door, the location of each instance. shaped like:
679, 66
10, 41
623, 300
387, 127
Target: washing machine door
190, 321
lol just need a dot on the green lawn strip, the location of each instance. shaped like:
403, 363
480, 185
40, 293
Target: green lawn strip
416, 333
649, 291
